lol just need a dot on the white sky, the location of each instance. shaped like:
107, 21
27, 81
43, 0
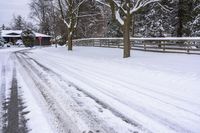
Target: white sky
10, 7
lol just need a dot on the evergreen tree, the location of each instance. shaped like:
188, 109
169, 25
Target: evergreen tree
114, 29
184, 14
156, 20
194, 24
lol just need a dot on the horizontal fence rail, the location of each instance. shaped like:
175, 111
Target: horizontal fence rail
190, 45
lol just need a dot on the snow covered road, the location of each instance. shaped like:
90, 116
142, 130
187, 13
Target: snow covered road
158, 91
94, 90
69, 108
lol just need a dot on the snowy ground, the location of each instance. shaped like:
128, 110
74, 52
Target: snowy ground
93, 90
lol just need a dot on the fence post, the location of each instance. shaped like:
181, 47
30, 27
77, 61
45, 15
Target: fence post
164, 45
145, 45
188, 51
100, 42
188, 47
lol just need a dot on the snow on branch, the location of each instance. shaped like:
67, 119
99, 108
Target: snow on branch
103, 3
165, 8
141, 3
197, 7
123, 7
65, 22
118, 17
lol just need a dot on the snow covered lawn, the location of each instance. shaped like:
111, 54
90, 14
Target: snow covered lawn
159, 92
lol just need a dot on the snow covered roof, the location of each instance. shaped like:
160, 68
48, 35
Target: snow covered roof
17, 33
11, 33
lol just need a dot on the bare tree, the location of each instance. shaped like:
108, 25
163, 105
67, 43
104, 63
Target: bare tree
123, 11
91, 20
41, 13
69, 10
18, 23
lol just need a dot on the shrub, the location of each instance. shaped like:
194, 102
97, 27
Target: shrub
28, 38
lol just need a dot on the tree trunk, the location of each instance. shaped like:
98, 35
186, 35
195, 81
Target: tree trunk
126, 36
69, 41
112, 6
180, 19
133, 25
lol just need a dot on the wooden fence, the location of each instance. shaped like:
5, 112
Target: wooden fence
190, 45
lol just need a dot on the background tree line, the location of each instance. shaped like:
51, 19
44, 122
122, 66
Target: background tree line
64, 19
182, 18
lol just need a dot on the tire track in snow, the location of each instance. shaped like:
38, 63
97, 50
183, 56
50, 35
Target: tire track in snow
138, 108
3, 83
2, 95
148, 113
14, 118
99, 77
123, 84
58, 111
83, 65
95, 72
61, 122
104, 105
